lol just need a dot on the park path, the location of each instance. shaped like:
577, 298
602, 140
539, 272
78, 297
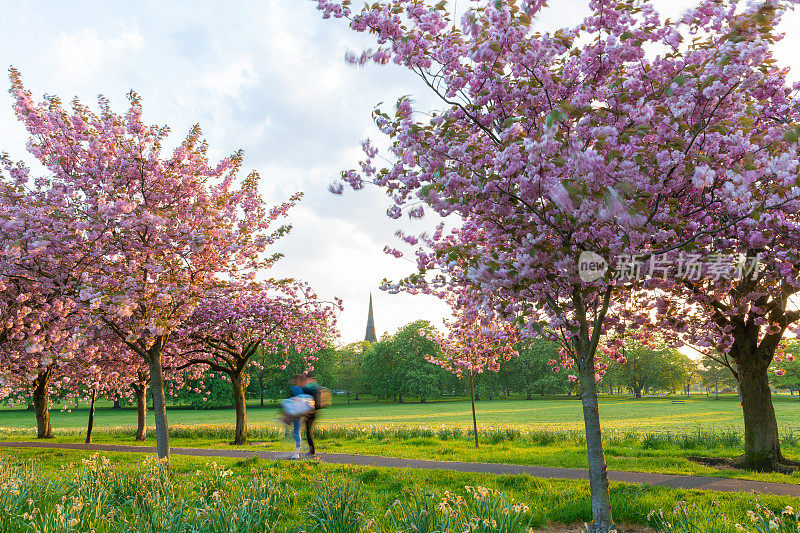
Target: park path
646, 478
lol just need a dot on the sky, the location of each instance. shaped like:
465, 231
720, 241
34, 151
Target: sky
268, 77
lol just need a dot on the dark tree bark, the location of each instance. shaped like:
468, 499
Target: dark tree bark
749, 358
90, 425
762, 448
237, 380
584, 345
41, 403
598, 473
116, 404
159, 403
152, 356
472, 397
141, 407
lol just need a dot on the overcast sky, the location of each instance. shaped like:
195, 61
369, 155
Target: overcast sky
266, 76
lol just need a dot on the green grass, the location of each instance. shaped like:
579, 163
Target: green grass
551, 501
622, 413
666, 453
647, 435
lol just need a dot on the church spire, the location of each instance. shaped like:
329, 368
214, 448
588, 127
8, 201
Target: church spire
370, 335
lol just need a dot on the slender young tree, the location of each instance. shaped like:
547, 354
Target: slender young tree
473, 345
41, 261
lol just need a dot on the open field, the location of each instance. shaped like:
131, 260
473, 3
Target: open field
126, 487
620, 413
648, 435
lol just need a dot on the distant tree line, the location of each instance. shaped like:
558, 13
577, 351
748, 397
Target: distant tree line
395, 369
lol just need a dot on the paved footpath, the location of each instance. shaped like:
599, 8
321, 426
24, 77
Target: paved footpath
659, 480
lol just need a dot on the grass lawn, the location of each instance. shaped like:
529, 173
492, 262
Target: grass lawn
620, 413
194, 480
649, 435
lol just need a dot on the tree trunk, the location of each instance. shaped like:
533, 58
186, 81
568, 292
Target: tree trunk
598, 472
116, 404
90, 425
141, 407
637, 393
474, 418
528, 396
240, 437
159, 404
41, 404
762, 449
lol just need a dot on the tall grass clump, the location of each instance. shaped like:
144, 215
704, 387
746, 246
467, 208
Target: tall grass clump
102, 498
337, 508
689, 519
484, 510
700, 438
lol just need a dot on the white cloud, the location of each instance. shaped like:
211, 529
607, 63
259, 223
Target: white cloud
82, 53
230, 79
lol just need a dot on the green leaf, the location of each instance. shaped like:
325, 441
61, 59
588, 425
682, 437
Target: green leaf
555, 116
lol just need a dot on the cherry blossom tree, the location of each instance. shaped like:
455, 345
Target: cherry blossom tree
139, 388
167, 229
472, 346
740, 300
739, 323
621, 135
41, 260
229, 327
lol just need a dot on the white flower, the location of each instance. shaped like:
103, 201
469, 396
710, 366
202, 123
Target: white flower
703, 176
